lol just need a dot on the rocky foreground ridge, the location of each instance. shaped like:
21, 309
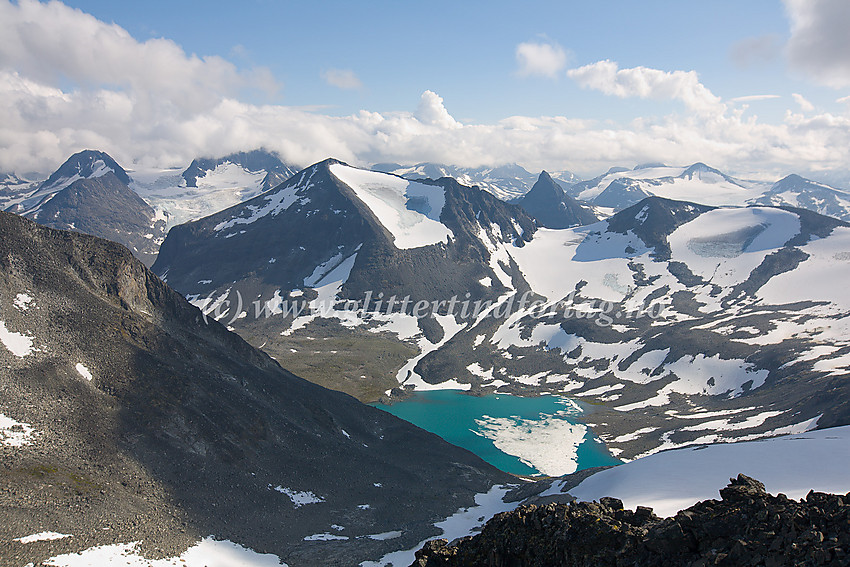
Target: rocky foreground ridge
747, 527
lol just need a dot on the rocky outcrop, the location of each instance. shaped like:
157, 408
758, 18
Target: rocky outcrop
747, 527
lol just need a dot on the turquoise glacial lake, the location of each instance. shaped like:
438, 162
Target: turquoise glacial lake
524, 436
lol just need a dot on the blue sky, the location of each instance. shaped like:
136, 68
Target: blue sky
753, 87
466, 52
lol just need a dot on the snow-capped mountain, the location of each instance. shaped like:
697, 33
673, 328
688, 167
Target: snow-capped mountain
346, 232
796, 191
123, 409
87, 164
209, 185
507, 182
551, 207
620, 188
256, 161
90, 193
684, 322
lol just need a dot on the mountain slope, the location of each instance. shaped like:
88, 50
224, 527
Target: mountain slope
699, 183
105, 206
334, 231
681, 323
126, 416
549, 204
259, 161
620, 188
796, 191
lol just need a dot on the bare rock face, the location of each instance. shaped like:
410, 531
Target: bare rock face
746, 527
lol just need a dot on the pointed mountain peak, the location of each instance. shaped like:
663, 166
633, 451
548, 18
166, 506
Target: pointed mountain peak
84, 165
544, 176
545, 184
550, 205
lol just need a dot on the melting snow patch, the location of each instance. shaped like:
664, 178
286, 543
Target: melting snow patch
22, 301
463, 523
385, 536
206, 553
325, 537
43, 536
84, 372
18, 344
14, 433
299, 498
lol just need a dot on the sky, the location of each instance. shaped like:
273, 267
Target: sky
758, 89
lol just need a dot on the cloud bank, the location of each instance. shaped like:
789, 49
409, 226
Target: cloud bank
69, 81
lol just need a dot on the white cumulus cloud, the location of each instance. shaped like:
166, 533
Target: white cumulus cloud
544, 59
644, 82
431, 110
70, 82
53, 42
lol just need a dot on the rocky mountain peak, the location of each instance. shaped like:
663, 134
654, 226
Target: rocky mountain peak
84, 165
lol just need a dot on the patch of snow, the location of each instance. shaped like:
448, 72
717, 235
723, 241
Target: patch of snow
15, 433
724, 246
325, 537
463, 523
299, 498
386, 535
42, 536
18, 344
22, 301
84, 372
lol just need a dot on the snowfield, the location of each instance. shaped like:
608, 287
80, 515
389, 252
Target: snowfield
673, 480
410, 211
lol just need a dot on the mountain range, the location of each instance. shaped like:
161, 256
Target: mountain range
507, 182
677, 306
675, 317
